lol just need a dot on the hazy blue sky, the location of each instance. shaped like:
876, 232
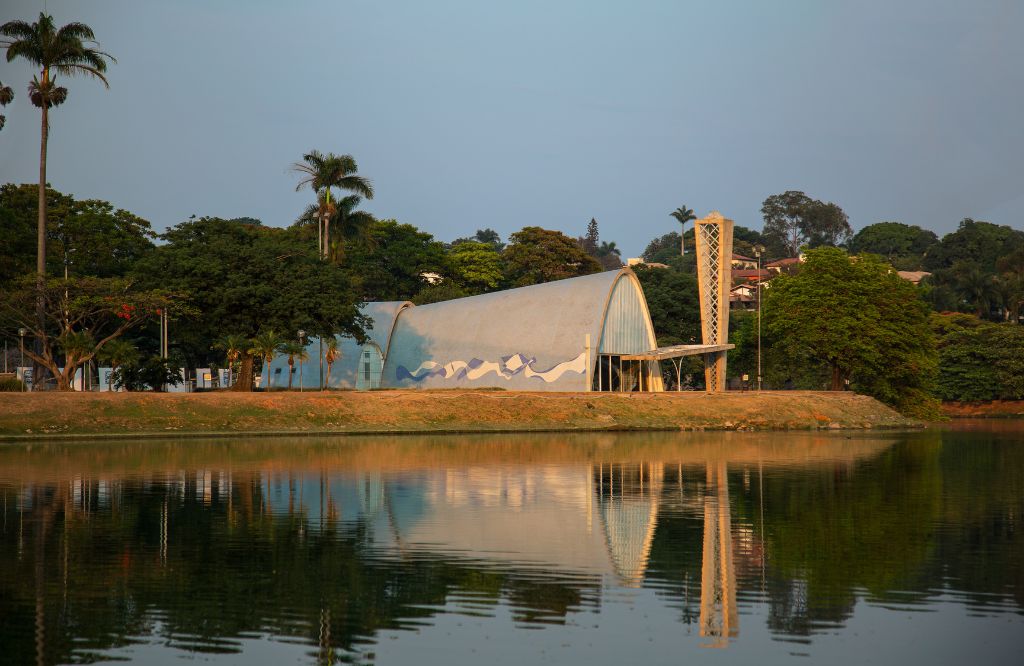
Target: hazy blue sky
469, 114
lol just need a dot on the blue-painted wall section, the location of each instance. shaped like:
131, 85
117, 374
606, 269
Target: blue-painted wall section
531, 338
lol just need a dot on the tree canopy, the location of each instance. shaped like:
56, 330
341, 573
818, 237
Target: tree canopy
902, 245
97, 239
391, 264
793, 219
536, 255
243, 278
858, 319
982, 243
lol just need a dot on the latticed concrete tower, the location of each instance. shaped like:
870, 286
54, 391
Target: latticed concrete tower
714, 252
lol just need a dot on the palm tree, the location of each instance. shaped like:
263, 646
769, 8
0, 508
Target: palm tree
331, 355
683, 215
6, 97
343, 218
294, 350
69, 51
233, 346
265, 345
117, 352
322, 173
609, 255
974, 287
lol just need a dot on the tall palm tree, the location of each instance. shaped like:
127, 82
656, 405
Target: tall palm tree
293, 350
6, 97
343, 219
71, 51
233, 345
683, 215
331, 355
323, 172
265, 345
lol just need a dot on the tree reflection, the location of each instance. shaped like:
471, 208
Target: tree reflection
202, 558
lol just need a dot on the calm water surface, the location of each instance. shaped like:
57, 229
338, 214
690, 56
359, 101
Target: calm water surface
590, 549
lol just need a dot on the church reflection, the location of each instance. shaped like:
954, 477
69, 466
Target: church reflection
547, 536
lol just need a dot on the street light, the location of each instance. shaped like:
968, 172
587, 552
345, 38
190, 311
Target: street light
302, 336
758, 251
21, 335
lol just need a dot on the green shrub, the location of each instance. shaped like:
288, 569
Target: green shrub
11, 385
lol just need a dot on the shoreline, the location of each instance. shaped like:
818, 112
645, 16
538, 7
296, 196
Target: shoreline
993, 409
73, 416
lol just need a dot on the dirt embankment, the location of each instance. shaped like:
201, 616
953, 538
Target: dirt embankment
1007, 409
47, 415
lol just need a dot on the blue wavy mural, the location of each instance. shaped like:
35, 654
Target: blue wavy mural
507, 368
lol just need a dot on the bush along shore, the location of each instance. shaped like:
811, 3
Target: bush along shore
1005, 409
49, 416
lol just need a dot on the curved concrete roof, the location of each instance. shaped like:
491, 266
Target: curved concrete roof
530, 338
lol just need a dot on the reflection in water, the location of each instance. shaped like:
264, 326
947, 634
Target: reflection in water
137, 550
718, 617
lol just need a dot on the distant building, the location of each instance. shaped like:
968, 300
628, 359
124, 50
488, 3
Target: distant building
784, 265
743, 276
638, 261
913, 276
740, 263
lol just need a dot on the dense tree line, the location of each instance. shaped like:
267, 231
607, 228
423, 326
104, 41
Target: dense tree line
238, 277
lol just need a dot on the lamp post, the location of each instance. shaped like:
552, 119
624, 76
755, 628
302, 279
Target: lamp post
21, 364
302, 336
758, 251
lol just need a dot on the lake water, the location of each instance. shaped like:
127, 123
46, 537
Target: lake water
658, 548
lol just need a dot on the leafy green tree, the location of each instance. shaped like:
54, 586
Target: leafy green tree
486, 236
981, 243
391, 264
793, 219
445, 290
153, 374
476, 266
324, 172
662, 249
904, 246
672, 300
683, 215
1009, 288
264, 346
979, 360
244, 278
96, 239
81, 317
975, 287
6, 97
70, 50
117, 353
859, 319
536, 255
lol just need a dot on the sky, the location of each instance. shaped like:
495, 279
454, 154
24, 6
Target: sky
470, 114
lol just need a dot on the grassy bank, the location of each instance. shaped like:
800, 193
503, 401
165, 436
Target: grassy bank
1005, 409
48, 415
